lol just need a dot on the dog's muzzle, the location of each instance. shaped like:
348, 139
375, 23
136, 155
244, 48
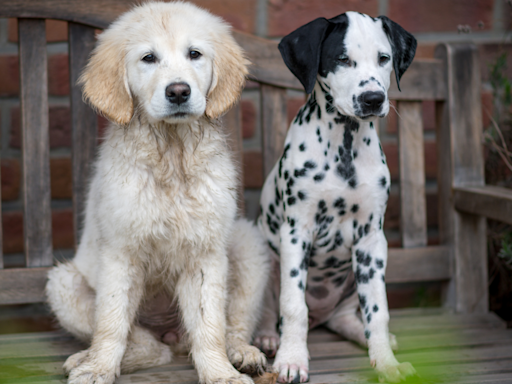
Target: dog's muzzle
371, 103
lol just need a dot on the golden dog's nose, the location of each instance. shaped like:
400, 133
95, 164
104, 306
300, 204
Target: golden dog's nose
177, 93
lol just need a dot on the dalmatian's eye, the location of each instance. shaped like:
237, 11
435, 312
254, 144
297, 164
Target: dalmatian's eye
383, 58
344, 60
149, 58
193, 54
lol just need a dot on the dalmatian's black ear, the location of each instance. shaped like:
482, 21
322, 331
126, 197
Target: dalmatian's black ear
301, 51
403, 45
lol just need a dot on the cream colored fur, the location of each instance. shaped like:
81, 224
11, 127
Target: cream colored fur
161, 210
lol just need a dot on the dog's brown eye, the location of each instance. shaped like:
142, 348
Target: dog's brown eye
194, 54
150, 58
383, 59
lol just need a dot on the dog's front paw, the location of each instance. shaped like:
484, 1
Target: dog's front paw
247, 359
267, 342
292, 364
74, 361
395, 373
240, 379
89, 370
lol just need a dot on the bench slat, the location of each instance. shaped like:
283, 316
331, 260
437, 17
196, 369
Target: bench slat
274, 125
23, 285
413, 203
84, 126
35, 143
489, 201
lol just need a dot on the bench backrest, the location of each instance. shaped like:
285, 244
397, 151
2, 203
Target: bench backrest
452, 80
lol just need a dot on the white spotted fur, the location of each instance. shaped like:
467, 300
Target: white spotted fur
322, 138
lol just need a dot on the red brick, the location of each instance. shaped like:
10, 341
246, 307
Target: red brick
248, 118
61, 181
12, 225
487, 108
253, 169
58, 75
10, 70
60, 127
429, 115
437, 16
284, 16
432, 210
11, 178
293, 105
430, 149
425, 51
240, 14
56, 30
62, 229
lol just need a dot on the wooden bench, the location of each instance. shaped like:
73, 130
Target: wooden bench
459, 342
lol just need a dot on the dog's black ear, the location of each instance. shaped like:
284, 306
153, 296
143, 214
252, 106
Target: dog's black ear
301, 51
403, 45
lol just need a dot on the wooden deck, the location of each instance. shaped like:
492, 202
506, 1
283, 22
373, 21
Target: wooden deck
443, 347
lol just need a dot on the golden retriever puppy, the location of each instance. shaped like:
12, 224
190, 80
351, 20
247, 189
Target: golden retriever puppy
160, 219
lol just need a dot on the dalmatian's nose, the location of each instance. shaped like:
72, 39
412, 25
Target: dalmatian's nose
372, 101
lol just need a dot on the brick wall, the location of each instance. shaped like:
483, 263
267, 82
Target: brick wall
430, 20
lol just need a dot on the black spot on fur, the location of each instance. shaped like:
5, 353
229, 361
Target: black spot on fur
362, 300
326, 167
302, 195
273, 247
367, 334
294, 240
338, 281
383, 182
354, 208
310, 164
300, 172
319, 177
294, 272
375, 308
362, 258
291, 200
301, 286
354, 224
302, 147
318, 291
379, 263
369, 318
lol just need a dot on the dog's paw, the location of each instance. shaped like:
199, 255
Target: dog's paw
87, 373
292, 364
267, 342
74, 361
395, 373
247, 359
83, 368
240, 379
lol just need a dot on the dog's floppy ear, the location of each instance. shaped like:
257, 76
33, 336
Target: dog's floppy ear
403, 45
229, 72
301, 51
104, 79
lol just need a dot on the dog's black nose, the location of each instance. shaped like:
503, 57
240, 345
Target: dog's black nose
177, 93
372, 101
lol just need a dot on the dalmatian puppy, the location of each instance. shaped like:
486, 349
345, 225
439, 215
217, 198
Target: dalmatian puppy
323, 204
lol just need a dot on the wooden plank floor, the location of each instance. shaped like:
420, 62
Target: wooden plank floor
443, 347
